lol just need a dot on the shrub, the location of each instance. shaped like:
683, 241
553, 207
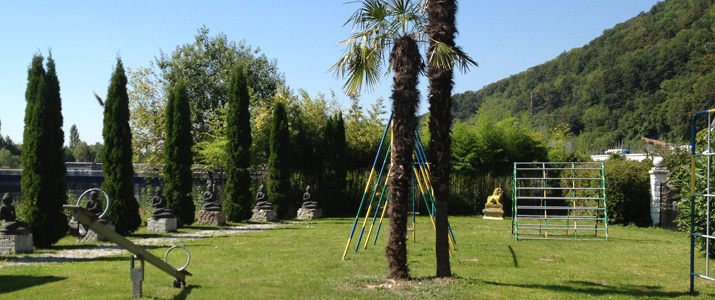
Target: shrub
628, 193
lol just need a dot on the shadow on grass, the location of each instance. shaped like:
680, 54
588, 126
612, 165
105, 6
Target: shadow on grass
58, 259
592, 288
11, 283
186, 291
513, 256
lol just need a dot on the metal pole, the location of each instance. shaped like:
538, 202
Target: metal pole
377, 209
372, 198
367, 186
421, 157
384, 209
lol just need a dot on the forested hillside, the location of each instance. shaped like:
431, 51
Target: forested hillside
643, 78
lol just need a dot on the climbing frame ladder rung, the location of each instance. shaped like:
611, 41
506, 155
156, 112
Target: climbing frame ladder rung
559, 200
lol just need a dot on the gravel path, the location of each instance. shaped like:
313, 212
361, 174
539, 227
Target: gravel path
95, 251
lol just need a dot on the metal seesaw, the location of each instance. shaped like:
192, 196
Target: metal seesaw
90, 220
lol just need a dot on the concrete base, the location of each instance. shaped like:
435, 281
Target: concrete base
93, 236
217, 218
493, 211
309, 213
161, 225
264, 215
15, 243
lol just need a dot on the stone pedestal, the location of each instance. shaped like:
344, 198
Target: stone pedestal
264, 215
217, 218
309, 213
161, 225
658, 176
493, 211
15, 243
92, 236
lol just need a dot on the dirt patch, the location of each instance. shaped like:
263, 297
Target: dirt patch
400, 284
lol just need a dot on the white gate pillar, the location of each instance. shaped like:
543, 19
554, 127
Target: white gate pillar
658, 175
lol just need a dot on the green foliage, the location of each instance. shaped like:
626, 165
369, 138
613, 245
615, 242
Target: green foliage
42, 183
644, 77
238, 149
117, 159
74, 136
492, 148
279, 163
628, 193
334, 168
9, 154
147, 104
178, 157
8, 160
206, 66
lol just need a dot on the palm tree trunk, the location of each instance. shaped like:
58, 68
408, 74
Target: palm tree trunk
407, 64
441, 27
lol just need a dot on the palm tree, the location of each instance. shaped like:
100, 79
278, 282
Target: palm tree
441, 29
379, 25
399, 24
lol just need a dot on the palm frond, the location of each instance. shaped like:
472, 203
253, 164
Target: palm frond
376, 25
101, 103
443, 56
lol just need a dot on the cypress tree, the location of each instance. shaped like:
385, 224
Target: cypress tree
117, 156
334, 171
43, 183
238, 132
177, 155
279, 162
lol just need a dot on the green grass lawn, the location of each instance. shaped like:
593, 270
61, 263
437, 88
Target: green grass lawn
304, 262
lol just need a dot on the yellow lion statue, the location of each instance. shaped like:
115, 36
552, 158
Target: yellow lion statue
496, 196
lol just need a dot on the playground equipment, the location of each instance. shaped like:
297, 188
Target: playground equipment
701, 193
81, 231
420, 176
92, 221
559, 200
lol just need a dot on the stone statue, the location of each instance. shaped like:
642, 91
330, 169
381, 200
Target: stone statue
262, 199
210, 203
307, 203
93, 204
159, 204
10, 224
496, 196
493, 209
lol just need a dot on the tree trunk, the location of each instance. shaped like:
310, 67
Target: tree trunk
407, 64
441, 27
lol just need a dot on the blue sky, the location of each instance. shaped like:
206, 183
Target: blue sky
504, 37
